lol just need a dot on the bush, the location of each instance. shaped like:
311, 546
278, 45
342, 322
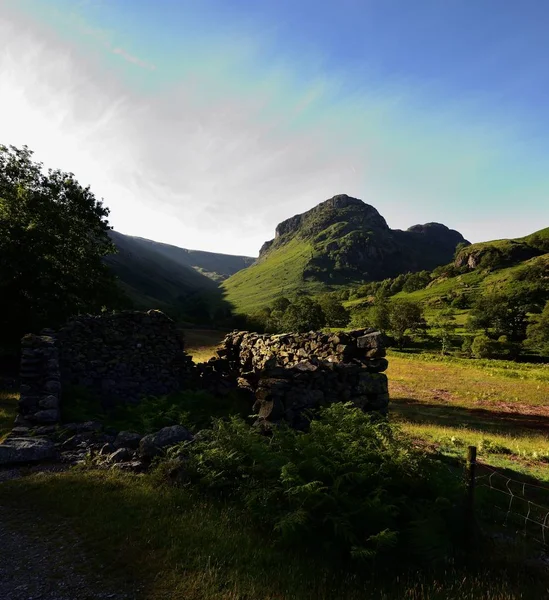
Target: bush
483, 347
352, 484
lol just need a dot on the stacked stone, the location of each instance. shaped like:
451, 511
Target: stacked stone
252, 352
290, 374
124, 356
40, 381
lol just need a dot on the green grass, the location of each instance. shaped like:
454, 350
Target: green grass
201, 343
498, 405
176, 544
8, 410
280, 273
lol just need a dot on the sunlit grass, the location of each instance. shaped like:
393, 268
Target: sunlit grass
280, 274
497, 385
201, 343
499, 406
523, 452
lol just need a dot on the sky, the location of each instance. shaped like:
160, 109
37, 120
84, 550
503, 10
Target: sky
204, 123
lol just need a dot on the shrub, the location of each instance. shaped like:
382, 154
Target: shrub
483, 347
352, 484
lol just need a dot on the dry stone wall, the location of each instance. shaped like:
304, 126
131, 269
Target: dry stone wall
127, 356
123, 356
40, 381
290, 374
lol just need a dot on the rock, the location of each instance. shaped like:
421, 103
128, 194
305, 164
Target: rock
26, 450
153, 444
371, 341
106, 449
127, 439
121, 455
49, 402
132, 466
20, 432
46, 416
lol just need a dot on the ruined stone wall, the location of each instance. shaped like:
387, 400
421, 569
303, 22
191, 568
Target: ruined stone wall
289, 374
127, 356
123, 356
40, 381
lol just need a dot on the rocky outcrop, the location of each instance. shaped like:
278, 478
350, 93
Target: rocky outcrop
351, 241
498, 254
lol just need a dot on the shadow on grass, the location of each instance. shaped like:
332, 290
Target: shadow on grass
176, 544
489, 421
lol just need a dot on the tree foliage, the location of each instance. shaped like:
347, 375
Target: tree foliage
538, 333
335, 313
304, 314
405, 316
501, 315
54, 235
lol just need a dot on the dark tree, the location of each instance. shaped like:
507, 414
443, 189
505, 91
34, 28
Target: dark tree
54, 236
334, 311
303, 315
501, 315
538, 333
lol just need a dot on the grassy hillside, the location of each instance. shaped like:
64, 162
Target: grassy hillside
477, 282
152, 280
279, 273
211, 264
340, 242
508, 267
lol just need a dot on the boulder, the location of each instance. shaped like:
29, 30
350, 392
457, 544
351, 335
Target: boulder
26, 450
127, 439
46, 416
153, 444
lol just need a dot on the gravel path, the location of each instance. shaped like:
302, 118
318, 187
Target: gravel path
45, 561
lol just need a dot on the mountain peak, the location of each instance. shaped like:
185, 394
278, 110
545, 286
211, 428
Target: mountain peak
338, 209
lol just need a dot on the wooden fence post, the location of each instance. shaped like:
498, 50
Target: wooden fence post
470, 502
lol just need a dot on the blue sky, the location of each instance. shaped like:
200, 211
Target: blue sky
204, 124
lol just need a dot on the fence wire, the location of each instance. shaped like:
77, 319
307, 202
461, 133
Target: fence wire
519, 502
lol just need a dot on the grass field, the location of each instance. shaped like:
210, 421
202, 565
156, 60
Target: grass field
501, 407
201, 343
177, 545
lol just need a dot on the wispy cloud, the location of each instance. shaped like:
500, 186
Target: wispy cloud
216, 159
133, 59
